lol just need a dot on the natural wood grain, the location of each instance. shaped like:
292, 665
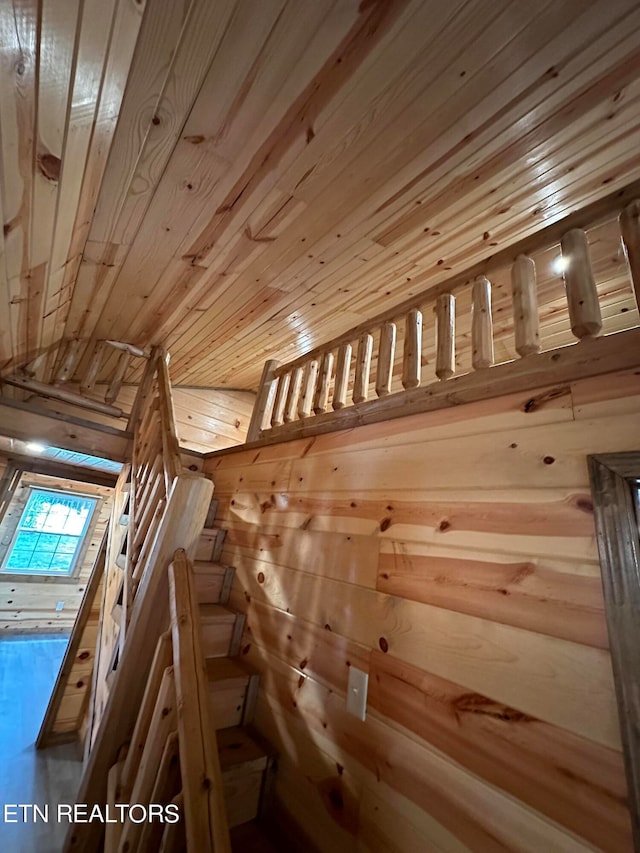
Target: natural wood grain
630, 230
343, 368
553, 772
478, 524
582, 295
446, 334
525, 305
412, 356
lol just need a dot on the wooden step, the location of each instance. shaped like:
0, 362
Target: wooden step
213, 582
247, 763
210, 542
233, 691
221, 630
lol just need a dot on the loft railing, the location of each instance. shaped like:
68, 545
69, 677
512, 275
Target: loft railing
485, 337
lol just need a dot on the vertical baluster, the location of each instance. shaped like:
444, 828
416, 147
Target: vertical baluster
363, 366
481, 324
264, 399
446, 321
630, 230
68, 363
582, 294
277, 417
308, 388
93, 369
412, 356
290, 410
525, 305
343, 366
116, 383
321, 399
386, 353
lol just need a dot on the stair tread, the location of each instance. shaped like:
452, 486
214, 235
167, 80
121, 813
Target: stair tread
238, 747
228, 669
208, 566
216, 613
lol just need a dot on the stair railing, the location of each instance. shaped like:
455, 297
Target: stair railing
173, 757
159, 509
376, 370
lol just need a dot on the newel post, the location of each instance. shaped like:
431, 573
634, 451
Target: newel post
264, 400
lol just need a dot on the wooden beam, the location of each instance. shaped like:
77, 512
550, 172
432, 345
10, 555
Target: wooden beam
51, 468
29, 423
54, 393
591, 357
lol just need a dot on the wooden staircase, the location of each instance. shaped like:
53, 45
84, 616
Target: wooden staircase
247, 760
170, 718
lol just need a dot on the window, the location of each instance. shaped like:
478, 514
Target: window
49, 535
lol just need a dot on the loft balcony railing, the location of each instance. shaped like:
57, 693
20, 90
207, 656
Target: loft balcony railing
505, 325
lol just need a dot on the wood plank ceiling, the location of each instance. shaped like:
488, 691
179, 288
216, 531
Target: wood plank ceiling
240, 180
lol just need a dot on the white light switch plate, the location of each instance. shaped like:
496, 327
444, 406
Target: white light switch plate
357, 692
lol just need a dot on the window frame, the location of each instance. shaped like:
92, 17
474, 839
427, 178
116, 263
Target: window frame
85, 538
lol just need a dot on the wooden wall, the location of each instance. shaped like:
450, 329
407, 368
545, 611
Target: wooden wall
452, 556
207, 419
29, 605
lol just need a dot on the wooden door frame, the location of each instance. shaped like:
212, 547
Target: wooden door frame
612, 475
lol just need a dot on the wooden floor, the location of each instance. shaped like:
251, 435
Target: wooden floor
28, 668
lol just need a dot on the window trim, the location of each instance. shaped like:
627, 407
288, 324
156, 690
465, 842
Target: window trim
85, 539
614, 485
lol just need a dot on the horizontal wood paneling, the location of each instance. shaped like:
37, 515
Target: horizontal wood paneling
446, 555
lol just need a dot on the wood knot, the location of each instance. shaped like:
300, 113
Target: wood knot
260, 577
584, 504
50, 166
444, 525
385, 524
548, 460
384, 645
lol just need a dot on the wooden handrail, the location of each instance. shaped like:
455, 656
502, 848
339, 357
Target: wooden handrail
174, 723
204, 807
405, 324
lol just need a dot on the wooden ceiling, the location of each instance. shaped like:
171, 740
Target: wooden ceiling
248, 178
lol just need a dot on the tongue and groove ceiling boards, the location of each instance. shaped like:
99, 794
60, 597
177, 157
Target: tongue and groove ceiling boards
280, 170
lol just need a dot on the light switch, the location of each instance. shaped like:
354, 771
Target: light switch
357, 692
